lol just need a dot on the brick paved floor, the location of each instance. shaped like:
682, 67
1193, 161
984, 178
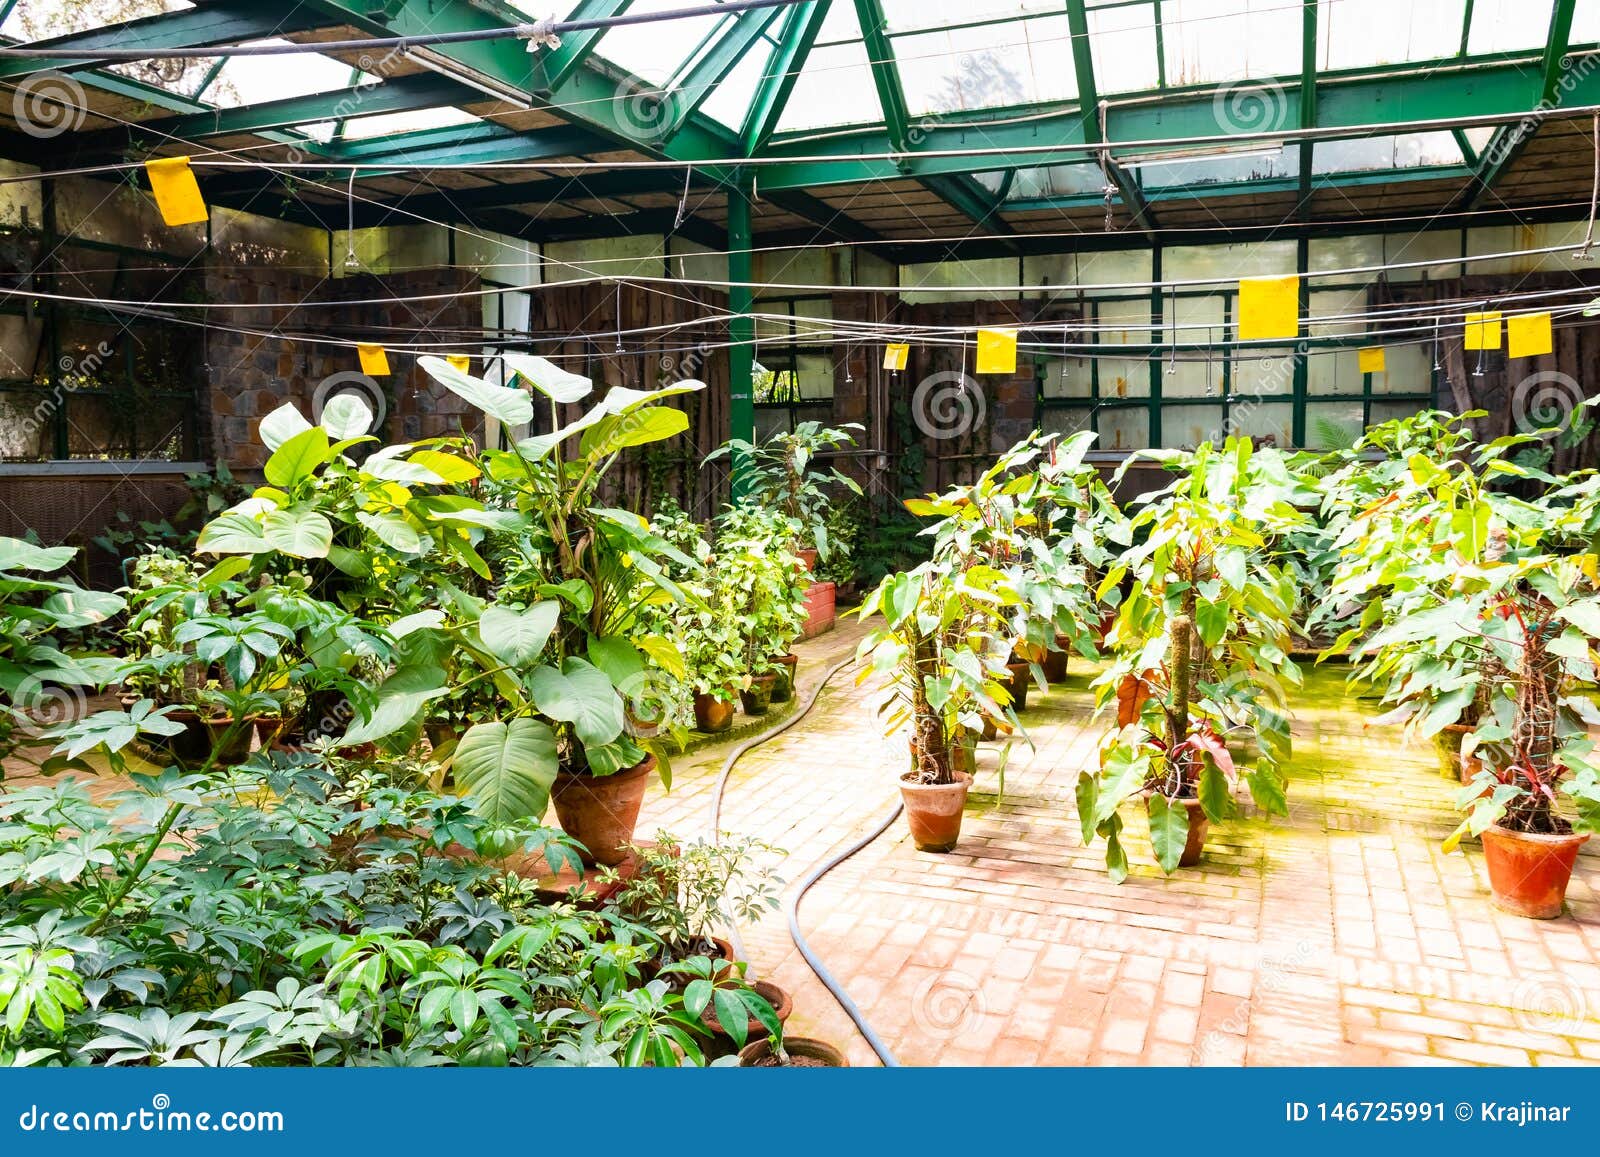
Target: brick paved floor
1340, 935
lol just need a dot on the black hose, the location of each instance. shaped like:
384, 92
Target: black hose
829, 981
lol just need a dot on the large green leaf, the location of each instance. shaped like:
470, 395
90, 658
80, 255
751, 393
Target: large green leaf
297, 533
80, 608
507, 406
633, 429
507, 768
549, 379
232, 533
579, 694
401, 699
1169, 831
298, 458
346, 416
282, 424
393, 531
516, 637
15, 554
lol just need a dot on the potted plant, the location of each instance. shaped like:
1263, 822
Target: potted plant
779, 1051
941, 647
714, 657
683, 892
761, 581
782, 476
1203, 637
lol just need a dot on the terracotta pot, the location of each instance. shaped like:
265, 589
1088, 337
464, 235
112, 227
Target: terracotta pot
1199, 826
359, 751
758, 696
990, 730
933, 811
229, 750
601, 811
1528, 873
712, 715
808, 558
820, 610
783, 689
193, 744
1021, 679
775, 996
964, 754
1055, 665
816, 1054
269, 729
1452, 764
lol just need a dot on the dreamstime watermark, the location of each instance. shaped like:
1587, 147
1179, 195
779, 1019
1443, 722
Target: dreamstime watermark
1247, 106
73, 374
39, 706
981, 80
948, 404
1574, 71
1550, 1003
1545, 401
948, 1004
645, 113
48, 104
158, 1117
1276, 378
352, 384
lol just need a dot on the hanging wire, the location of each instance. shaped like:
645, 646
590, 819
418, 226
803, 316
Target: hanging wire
1594, 196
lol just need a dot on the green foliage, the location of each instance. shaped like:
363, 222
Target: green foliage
782, 475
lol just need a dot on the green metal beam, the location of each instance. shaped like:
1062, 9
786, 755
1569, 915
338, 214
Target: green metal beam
772, 95
558, 64
1509, 140
1308, 102
1364, 105
482, 144
696, 85
741, 331
885, 75
220, 22
1127, 185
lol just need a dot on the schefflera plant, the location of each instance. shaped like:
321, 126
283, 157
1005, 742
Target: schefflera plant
1201, 644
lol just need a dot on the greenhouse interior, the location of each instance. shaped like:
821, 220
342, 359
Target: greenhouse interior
799, 533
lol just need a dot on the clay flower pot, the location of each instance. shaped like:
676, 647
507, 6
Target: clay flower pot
808, 558
601, 811
783, 689
775, 996
1199, 826
1021, 677
1055, 665
758, 696
1528, 872
230, 749
712, 715
803, 1052
933, 811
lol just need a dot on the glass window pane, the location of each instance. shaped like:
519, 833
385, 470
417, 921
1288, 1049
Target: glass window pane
990, 66
1211, 41
1333, 425
834, 88
1188, 426
1066, 420
1123, 44
1507, 25
655, 52
1269, 423
730, 100
920, 15
1347, 35
1268, 163
1405, 151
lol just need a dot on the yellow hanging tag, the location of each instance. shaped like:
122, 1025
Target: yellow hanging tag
997, 351
1529, 336
1269, 307
1483, 331
894, 356
1372, 360
374, 362
461, 362
177, 192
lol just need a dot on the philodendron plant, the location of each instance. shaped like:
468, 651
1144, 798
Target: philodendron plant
1201, 644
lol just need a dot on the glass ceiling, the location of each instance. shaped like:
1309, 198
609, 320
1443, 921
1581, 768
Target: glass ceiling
946, 61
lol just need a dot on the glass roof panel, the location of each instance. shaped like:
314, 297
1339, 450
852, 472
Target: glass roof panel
924, 15
1055, 181
657, 52
1507, 25
1406, 151
1211, 41
835, 83
365, 128
256, 79
40, 21
1122, 40
1348, 33
1586, 24
1265, 164
987, 66
730, 100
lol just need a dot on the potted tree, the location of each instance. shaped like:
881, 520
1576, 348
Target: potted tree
762, 582
782, 476
1201, 647
942, 646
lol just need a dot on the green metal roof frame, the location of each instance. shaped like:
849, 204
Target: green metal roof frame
579, 85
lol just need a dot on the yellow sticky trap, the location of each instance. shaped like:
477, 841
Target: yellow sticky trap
1529, 336
461, 362
997, 351
1483, 331
374, 362
1372, 360
1269, 307
177, 192
894, 356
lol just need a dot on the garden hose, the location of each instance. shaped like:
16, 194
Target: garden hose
792, 913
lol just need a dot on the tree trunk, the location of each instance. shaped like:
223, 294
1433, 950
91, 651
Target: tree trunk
929, 745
